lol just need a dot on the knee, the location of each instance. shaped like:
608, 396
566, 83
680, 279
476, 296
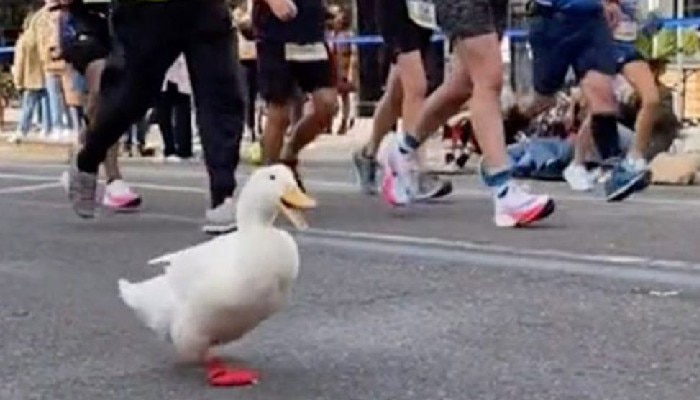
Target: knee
415, 89
325, 103
491, 83
459, 91
599, 93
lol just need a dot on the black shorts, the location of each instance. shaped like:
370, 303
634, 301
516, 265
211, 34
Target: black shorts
82, 54
279, 79
464, 19
401, 35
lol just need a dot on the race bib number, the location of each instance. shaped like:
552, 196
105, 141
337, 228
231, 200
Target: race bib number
423, 13
626, 31
305, 52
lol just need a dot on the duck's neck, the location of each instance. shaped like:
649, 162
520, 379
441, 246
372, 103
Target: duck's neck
251, 214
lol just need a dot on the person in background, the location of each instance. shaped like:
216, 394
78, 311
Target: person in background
54, 66
474, 28
174, 113
636, 70
85, 44
28, 74
6, 89
247, 53
74, 99
345, 59
135, 138
564, 35
149, 36
292, 55
408, 46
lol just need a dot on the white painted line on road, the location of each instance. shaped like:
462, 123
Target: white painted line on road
499, 249
28, 177
346, 187
29, 188
632, 268
516, 261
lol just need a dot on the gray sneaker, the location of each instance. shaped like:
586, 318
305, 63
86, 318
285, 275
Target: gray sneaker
366, 172
432, 187
221, 219
82, 191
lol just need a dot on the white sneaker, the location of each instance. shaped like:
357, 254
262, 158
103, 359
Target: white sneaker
399, 184
15, 138
119, 197
516, 207
173, 159
637, 164
578, 178
221, 219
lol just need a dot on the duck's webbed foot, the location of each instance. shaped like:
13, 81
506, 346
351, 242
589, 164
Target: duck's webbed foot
220, 374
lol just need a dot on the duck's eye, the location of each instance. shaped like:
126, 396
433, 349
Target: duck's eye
272, 177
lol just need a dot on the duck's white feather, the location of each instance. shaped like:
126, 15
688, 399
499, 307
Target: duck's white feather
217, 291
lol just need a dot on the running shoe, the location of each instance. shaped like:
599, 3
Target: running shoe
399, 175
516, 207
431, 187
221, 219
578, 178
626, 179
119, 197
366, 172
82, 190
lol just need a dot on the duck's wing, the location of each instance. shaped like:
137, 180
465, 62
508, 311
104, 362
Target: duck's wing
185, 268
167, 259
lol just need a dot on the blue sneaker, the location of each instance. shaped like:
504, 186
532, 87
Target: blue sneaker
624, 181
366, 170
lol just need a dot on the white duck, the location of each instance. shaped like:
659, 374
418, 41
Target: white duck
216, 292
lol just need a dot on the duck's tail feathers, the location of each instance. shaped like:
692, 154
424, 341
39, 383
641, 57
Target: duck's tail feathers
153, 302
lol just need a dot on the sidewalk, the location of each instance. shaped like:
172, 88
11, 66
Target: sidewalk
327, 148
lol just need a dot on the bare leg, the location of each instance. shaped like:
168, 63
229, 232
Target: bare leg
2, 113
386, 114
640, 76
278, 118
344, 113
311, 124
445, 102
584, 142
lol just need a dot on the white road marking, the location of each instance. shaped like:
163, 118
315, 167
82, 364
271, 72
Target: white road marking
347, 187
634, 268
29, 188
518, 261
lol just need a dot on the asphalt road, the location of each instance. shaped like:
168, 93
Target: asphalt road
600, 302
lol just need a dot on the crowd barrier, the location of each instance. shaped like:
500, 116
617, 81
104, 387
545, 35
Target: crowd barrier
512, 34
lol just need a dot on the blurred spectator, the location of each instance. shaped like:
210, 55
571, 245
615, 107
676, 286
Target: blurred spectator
46, 21
248, 56
174, 113
28, 78
343, 54
73, 86
135, 138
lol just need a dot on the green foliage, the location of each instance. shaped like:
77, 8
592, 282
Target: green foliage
665, 44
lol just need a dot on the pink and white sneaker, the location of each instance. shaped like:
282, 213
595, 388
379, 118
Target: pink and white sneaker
399, 175
516, 207
119, 197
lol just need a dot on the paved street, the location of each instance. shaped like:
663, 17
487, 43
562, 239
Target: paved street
600, 302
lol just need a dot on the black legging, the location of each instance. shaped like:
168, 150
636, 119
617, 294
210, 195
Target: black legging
250, 68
